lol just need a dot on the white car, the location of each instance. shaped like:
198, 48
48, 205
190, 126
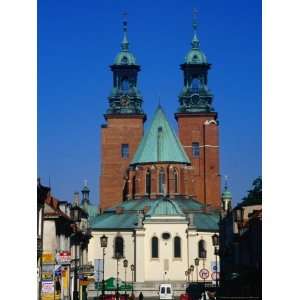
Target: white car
165, 291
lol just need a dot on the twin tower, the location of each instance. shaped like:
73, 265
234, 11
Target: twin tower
124, 130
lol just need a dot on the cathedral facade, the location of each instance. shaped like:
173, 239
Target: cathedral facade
159, 191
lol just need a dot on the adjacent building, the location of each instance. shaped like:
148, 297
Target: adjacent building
240, 244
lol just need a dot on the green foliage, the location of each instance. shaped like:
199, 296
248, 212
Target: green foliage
255, 194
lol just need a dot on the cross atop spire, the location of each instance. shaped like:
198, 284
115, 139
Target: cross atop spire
226, 182
125, 44
195, 40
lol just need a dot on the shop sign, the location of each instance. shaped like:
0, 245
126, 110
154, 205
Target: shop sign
48, 258
64, 257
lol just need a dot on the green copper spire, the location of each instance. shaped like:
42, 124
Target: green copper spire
160, 143
125, 97
125, 43
125, 57
195, 40
195, 96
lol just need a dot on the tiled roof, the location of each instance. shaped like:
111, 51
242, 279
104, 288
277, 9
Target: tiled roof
160, 143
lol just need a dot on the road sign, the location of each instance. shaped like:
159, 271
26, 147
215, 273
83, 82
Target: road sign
215, 276
204, 273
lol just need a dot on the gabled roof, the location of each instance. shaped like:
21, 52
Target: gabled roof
160, 143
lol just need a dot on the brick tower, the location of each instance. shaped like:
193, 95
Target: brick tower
198, 125
124, 126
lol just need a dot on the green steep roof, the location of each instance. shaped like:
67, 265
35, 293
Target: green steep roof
160, 143
165, 207
128, 218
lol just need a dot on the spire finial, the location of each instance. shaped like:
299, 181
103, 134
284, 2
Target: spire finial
85, 182
195, 41
226, 182
125, 43
158, 99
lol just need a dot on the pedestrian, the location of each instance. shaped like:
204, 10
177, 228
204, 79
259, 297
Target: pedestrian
57, 285
141, 296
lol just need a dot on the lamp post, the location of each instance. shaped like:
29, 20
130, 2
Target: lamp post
215, 241
125, 265
103, 243
76, 216
132, 272
197, 264
192, 271
118, 256
203, 256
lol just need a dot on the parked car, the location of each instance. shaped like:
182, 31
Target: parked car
165, 291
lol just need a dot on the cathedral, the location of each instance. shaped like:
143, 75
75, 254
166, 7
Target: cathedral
159, 190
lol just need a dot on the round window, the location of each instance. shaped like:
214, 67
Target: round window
166, 235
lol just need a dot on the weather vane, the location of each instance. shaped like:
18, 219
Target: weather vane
226, 181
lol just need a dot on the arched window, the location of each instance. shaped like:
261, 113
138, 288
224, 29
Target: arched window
125, 84
148, 182
177, 246
154, 247
161, 181
202, 249
175, 181
195, 84
119, 247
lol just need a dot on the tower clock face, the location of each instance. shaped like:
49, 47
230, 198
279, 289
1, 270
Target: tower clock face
195, 99
125, 101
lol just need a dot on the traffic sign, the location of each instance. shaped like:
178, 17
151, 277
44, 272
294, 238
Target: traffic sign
204, 273
215, 276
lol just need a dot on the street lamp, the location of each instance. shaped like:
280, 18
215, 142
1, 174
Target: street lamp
132, 272
125, 265
118, 256
103, 242
192, 271
215, 241
197, 264
186, 275
76, 216
203, 256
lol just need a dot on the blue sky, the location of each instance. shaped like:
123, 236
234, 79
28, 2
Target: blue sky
78, 40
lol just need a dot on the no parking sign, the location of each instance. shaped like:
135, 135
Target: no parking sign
204, 273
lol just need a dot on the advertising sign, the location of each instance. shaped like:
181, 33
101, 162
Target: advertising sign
48, 287
47, 272
48, 258
47, 276
63, 257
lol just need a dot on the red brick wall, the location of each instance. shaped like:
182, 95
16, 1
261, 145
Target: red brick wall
119, 130
206, 179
